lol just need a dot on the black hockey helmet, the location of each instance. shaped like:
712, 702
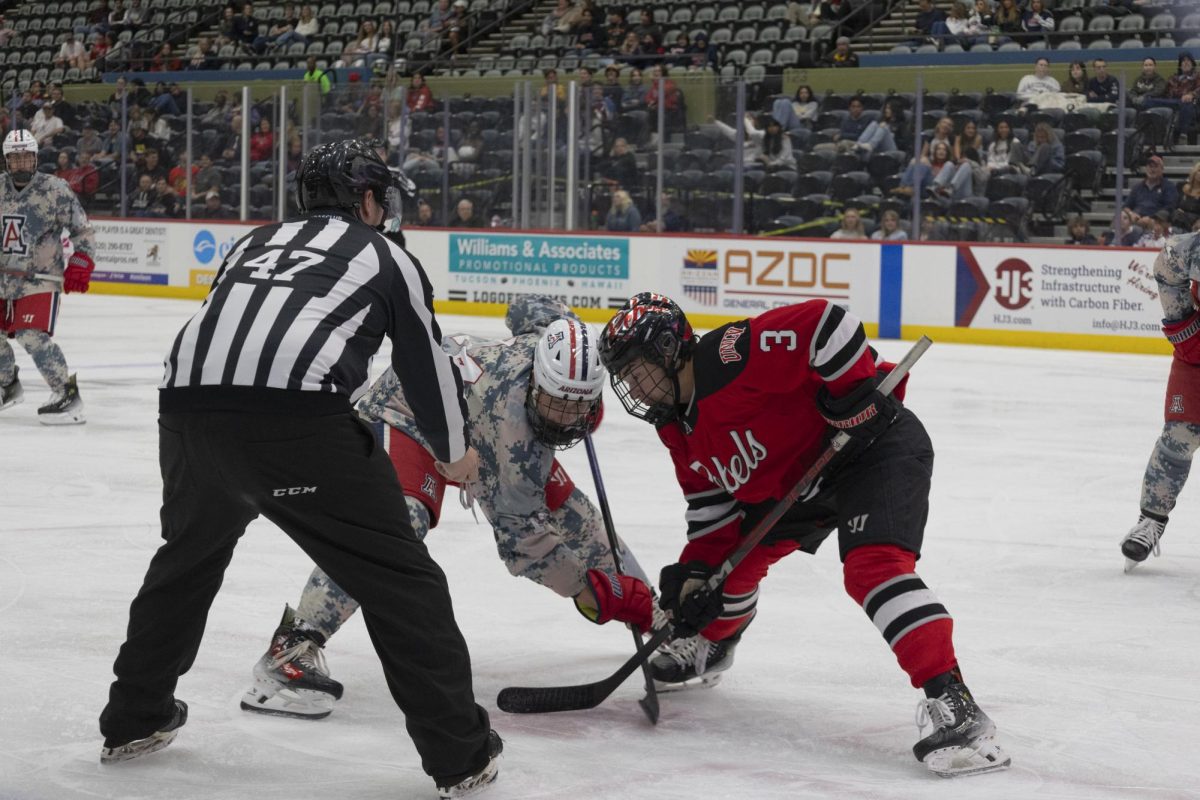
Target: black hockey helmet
643, 347
335, 175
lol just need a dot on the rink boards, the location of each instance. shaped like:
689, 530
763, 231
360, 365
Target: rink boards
1061, 297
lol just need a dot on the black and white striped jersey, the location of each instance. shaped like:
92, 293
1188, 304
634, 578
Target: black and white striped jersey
293, 317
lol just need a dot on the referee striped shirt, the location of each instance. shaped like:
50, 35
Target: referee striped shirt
295, 313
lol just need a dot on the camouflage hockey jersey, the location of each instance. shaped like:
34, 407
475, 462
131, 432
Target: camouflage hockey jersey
1177, 272
554, 549
32, 222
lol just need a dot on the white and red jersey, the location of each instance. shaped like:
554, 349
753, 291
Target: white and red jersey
753, 427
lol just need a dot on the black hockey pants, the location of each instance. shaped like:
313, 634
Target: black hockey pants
327, 484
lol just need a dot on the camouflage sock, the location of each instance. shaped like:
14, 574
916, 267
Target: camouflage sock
1169, 466
47, 356
8, 362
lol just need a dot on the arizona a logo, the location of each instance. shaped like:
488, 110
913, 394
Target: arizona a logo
12, 235
1176, 404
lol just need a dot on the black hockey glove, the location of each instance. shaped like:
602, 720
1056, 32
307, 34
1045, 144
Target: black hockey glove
685, 595
864, 414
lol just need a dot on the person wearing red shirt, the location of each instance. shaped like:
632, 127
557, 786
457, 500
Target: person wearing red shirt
744, 411
261, 141
420, 97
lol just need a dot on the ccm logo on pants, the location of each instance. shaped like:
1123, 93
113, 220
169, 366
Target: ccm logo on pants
294, 490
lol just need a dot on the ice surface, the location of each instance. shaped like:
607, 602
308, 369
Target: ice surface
1090, 674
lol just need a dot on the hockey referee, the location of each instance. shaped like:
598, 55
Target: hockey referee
255, 418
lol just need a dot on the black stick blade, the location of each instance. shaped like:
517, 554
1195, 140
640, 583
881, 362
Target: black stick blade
547, 699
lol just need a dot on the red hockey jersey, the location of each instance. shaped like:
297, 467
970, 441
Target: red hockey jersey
752, 427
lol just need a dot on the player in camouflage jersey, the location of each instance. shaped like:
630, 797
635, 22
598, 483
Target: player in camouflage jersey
546, 529
35, 209
1177, 270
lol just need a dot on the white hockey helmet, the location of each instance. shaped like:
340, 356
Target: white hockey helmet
19, 141
568, 384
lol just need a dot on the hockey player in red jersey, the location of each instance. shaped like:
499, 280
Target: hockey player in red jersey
744, 410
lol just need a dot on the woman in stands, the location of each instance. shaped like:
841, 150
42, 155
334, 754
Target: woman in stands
1187, 213
1149, 84
925, 173
959, 180
1005, 154
634, 96
1077, 78
852, 226
262, 141
882, 135
1048, 154
943, 132
1008, 17
889, 229
799, 112
420, 97
624, 215
1037, 19
767, 147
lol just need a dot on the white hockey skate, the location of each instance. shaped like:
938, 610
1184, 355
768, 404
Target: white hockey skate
692, 662
291, 679
1143, 539
12, 393
64, 408
112, 752
475, 783
963, 740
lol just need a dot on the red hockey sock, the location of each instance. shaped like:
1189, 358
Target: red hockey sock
882, 579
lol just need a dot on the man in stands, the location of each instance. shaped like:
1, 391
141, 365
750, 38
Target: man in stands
1040, 82
1153, 194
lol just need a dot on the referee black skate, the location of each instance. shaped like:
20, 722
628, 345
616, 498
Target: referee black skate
255, 419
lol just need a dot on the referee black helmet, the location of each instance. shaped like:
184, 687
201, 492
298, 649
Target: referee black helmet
335, 175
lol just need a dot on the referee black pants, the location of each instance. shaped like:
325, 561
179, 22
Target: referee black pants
327, 484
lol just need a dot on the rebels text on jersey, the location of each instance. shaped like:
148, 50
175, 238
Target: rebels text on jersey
753, 426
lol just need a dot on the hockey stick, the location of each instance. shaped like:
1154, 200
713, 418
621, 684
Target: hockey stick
32, 276
540, 700
649, 703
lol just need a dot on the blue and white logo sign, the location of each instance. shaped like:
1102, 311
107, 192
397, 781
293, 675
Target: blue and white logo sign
204, 246
568, 257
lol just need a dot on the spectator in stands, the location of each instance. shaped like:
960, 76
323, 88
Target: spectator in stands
589, 34
113, 142
765, 143
1149, 84
164, 202
1181, 94
135, 16
262, 142
1152, 194
952, 25
45, 124
1128, 235
420, 96
889, 229
672, 221
439, 16
1005, 154
881, 135
672, 97
679, 51
213, 208
72, 53
63, 165
282, 33
804, 14
100, 50
1008, 17
158, 128
1188, 211
634, 96
165, 60
1077, 231
981, 22
96, 20
228, 25
356, 52
648, 27
702, 55
925, 172
204, 58
560, 19
623, 216
208, 178
629, 50
852, 226
833, 11
424, 214
1039, 82
943, 132
612, 85
1037, 19
116, 18
615, 30
621, 166
153, 165
797, 113
89, 145
464, 215
1157, 231
1048, 155
245, 29
927, 15
853, 125
966, 175
142, 197
470, 149
841, 55
231, 142
1077, 79
550, 84
1103, 88
307, 26
64, 110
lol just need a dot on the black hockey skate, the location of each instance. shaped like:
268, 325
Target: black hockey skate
963, 737
64, 408
12, 393
691, 662
1142, 540
291, 679
476, 782
114, 751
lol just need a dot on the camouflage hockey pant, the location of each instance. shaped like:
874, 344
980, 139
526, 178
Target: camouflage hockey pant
324, 607
47, 356
1169, 466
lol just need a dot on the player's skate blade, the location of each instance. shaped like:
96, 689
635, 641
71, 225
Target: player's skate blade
268, 697
691, 663
1144, 539
150, 744
983, 755
65, 408
12, 393
963, 738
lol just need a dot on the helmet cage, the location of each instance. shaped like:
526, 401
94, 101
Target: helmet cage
560, 434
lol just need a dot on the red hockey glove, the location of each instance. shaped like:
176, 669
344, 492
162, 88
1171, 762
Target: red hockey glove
1185, 336
685, 594
620, 597
78, 274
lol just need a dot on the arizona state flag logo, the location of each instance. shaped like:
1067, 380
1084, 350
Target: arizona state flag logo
699, 276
